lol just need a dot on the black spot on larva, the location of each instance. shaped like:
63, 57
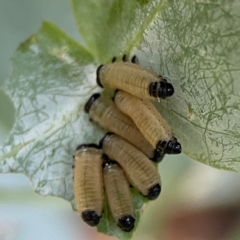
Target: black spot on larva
124, 58
134, 59
90, 102
98, 76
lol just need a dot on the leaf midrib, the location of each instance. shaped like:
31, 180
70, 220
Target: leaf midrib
149, 20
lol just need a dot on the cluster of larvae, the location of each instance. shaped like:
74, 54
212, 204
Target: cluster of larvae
136, 133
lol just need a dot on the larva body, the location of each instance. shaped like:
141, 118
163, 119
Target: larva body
132, 78
119, 196
105, 112
88, 183
140, 172
149, 121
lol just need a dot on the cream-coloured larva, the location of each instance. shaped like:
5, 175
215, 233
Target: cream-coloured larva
149, 121
141, 172
137, 80
105, 112
119, 196
88, 183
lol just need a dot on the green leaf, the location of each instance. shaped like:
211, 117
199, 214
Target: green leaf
7, 113
108, 224
51, 79
196, 45
111, 28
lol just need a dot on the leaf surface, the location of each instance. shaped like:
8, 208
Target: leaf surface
52, 78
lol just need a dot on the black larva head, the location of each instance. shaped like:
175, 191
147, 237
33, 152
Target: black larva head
166, 90
98, 76
154, 192
173, 147
90, 102
91, 218
126, 223
92, 145
170, 147
161, 89
158, 156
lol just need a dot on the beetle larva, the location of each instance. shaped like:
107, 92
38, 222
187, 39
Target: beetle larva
105, 112
132, 78
140, 172
149, 121
88, 183
119, 196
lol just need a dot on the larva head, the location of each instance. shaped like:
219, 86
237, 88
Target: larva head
161, 89
126, 223
158, 156
91, 218
154, 192
173, 147
170, 147
90, 145
90, 102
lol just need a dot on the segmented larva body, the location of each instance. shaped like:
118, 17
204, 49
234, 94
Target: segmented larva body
119, 196
149, 121
88, 183
140, 172
132, 78
105, 112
